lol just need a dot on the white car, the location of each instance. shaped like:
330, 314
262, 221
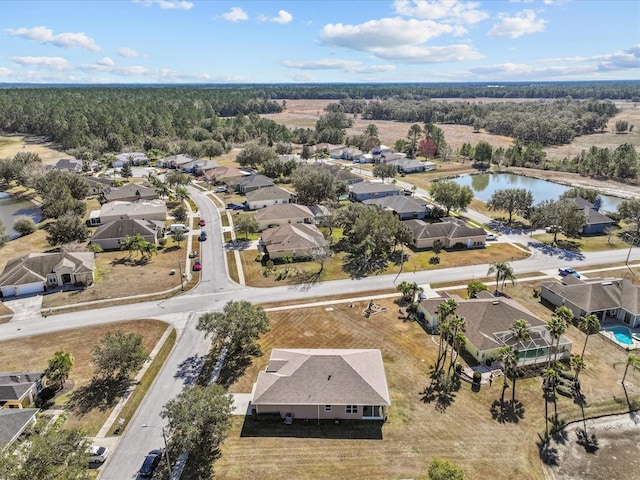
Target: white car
492, 236
98, 454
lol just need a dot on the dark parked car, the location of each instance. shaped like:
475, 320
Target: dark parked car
150, 463
203, 235
568, 271
235, 206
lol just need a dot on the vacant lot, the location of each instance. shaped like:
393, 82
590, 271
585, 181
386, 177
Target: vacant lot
462, 430
31, 354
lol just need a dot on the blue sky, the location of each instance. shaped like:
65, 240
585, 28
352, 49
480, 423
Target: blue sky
265, 41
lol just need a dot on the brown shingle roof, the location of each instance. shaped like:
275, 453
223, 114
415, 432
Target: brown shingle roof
292, 237
35, 266
603, 294
322, 377
283, 211
268, 193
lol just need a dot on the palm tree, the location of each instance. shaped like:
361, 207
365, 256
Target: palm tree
589, 324
508, 358
457, 343
458, 325
162, 190
556, 327
444, 311
551, 378
632, 361
503, 273
521, 331
408, 290
182, 193
578, 364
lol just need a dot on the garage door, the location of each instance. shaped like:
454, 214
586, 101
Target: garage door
8, 291
30, 288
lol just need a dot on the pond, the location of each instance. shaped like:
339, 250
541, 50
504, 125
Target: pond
485, 184
11, 209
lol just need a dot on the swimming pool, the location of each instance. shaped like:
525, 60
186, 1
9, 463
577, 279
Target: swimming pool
622, 334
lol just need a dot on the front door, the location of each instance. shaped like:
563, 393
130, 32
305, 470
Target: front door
66, 278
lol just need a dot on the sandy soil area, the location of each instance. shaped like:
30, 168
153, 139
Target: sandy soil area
12, 144
616, 458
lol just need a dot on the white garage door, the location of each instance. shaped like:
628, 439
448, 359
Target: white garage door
8, 291
30, 288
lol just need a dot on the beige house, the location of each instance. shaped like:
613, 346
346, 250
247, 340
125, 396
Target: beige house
323, 385
607, 298
488, 320
109, 235
36, 272
295, 241
140, 210
283, 214
452, 234
267, 196
20, 389
131, 192
222, 174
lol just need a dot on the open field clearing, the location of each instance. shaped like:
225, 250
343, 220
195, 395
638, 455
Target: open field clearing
31, 354
12, 144
459, 428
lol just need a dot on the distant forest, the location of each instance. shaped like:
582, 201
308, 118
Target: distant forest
206, 120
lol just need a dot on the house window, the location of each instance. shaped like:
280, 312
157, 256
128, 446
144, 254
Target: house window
327, 409
352, 409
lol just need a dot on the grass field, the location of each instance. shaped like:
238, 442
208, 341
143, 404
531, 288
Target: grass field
80, 343
12, 144
587, 243
460, 428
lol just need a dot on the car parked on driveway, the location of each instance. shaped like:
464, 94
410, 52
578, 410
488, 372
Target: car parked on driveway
197, 266
235, 206
98, 454
150, 463
491, 236
568, 271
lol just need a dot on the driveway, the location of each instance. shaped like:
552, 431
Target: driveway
25, 308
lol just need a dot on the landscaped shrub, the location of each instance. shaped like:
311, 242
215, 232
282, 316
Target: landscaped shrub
477, 377
566, 391
566, 374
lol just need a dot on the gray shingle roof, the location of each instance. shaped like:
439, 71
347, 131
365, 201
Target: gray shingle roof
601, 294
35, 266
371, 187
450, 230
293, 237
399, 203
125, 227
268, 193
129, 191
283, 211
13, 422
254, 181
13, 385
485, 317
323, 377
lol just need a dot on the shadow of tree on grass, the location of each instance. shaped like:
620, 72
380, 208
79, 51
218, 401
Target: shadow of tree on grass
508, 411
441, 391
101, 393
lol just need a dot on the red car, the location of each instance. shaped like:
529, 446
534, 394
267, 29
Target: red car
202, 223
197, 266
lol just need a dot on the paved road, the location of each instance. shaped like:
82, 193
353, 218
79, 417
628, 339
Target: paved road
216, 289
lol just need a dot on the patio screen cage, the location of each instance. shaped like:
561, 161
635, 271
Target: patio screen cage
536, 347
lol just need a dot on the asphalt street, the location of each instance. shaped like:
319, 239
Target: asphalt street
215, 289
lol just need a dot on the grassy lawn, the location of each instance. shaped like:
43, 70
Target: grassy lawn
591, 243
462, 431
80, 343
117, 276
333, 268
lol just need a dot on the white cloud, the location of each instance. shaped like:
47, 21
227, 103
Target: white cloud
5, 72
167, 4
50, 63
106, 62
236, 14
302, 77
522, 23
283, 18
384, 33
45, 35
450, 11
414, 54
350, 66
127, 52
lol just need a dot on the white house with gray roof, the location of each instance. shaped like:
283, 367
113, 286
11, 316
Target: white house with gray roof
362, 191
141, 210
406, 208
323, 384
267, 196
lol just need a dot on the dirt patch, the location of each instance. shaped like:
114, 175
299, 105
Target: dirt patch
617, 456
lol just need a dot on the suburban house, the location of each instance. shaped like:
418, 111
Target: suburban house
292, 240
97, 184
14, 422
347, 176
607, 298
595, 222
131, 192
20, 389
222, 174
109, 235
411, 165
406, 208
250, 183
322, 214
283, 214
294, 157
323, 384
198, 166
452, 234
348, 153
327, 148
488, 320
175, 161
267, 196
36, 272
67, 165
133, 158
362, 191
141, 210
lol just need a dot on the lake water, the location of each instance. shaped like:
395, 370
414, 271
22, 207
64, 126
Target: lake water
485, 184
11, 209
